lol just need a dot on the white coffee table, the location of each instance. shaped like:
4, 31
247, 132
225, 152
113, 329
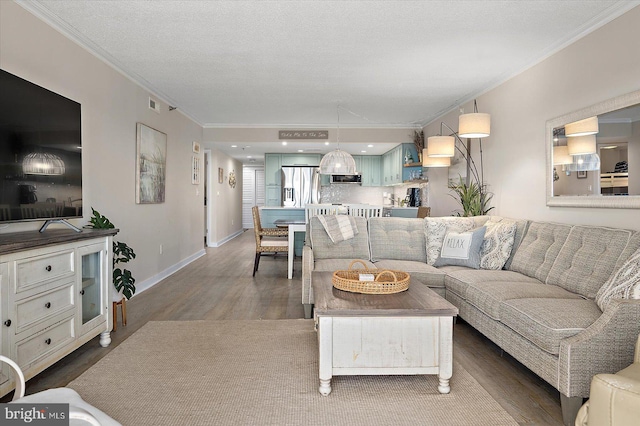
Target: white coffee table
363, 334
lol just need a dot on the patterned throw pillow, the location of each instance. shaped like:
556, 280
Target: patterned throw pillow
623, 284
498, 243
462, 248
436, 228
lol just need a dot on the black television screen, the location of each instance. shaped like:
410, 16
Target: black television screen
40, 152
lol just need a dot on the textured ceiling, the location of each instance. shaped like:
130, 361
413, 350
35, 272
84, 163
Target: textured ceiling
278, 63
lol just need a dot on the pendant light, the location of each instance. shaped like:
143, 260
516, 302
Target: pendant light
584, 163
588, 126
41, 163
337, 162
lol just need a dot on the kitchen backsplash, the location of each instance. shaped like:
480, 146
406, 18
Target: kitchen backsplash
377, 195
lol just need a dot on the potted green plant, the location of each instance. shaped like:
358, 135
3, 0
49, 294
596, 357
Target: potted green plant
123, 281
473, 198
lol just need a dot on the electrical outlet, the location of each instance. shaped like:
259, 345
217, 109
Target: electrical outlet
160, 248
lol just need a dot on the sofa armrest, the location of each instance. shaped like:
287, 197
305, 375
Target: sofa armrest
307, 289
606, 346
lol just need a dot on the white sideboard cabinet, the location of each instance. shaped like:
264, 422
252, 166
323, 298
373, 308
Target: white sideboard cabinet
54, 296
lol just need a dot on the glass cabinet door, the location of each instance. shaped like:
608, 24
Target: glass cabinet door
92, 286
90, 291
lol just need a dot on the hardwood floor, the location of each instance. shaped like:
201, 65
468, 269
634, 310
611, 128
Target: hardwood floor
220, 286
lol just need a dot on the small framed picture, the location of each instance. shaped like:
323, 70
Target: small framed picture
195, 170
581, 174
220, 175
196, 147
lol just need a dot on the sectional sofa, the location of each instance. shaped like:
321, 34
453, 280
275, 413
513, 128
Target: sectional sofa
546, 293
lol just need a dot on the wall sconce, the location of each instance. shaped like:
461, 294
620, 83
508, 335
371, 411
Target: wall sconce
561, 155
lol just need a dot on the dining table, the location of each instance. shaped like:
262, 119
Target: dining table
293, 225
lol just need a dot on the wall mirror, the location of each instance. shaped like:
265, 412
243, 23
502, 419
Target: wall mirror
593, 155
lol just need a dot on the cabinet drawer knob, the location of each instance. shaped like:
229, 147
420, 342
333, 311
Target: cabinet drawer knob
47, 305
48, 268
48, 341
8, 323
82, 292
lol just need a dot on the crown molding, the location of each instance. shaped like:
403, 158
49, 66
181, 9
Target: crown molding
41, 12
330, 126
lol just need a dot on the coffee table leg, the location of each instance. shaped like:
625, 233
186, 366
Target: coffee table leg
325, 349
446, 354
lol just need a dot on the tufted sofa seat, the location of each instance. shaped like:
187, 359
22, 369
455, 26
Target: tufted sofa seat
540, 307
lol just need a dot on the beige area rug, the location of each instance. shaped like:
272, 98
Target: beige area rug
263, 373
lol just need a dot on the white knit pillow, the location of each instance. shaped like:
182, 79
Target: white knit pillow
623, 284
498, 242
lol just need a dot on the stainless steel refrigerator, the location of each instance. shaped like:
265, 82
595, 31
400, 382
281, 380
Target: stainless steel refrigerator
300, 186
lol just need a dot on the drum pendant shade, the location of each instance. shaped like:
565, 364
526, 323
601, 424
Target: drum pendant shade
441, 146
474, 125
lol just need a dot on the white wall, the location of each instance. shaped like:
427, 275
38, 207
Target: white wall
111, 107
225, 202
600, 66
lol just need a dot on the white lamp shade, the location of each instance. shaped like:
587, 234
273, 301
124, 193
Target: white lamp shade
561, 155
441, 146
428, 161
474, 125
337, 162
588, 126
582, 145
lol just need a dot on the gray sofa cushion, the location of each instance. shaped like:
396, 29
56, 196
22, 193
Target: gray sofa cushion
588, 258
354, 248
488, 296
429, 275
539, 249
545, 322
458, 281
397, 238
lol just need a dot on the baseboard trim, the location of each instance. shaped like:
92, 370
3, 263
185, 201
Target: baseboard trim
227, 239
150, 282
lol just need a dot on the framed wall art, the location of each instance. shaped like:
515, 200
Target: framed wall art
195, 170
196, 147
220, 175
581, 174
151, 163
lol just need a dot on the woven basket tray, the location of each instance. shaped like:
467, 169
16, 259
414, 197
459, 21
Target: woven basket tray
385, 281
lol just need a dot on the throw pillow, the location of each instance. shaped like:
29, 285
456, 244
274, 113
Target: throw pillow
339, 227
435, 229
462, 248
623, 284
498, 243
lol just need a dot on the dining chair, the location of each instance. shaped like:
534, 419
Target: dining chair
311, 210
268, 240
365, 210
5, 212
79, 409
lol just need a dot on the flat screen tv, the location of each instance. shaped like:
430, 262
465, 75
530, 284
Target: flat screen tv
40, 153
